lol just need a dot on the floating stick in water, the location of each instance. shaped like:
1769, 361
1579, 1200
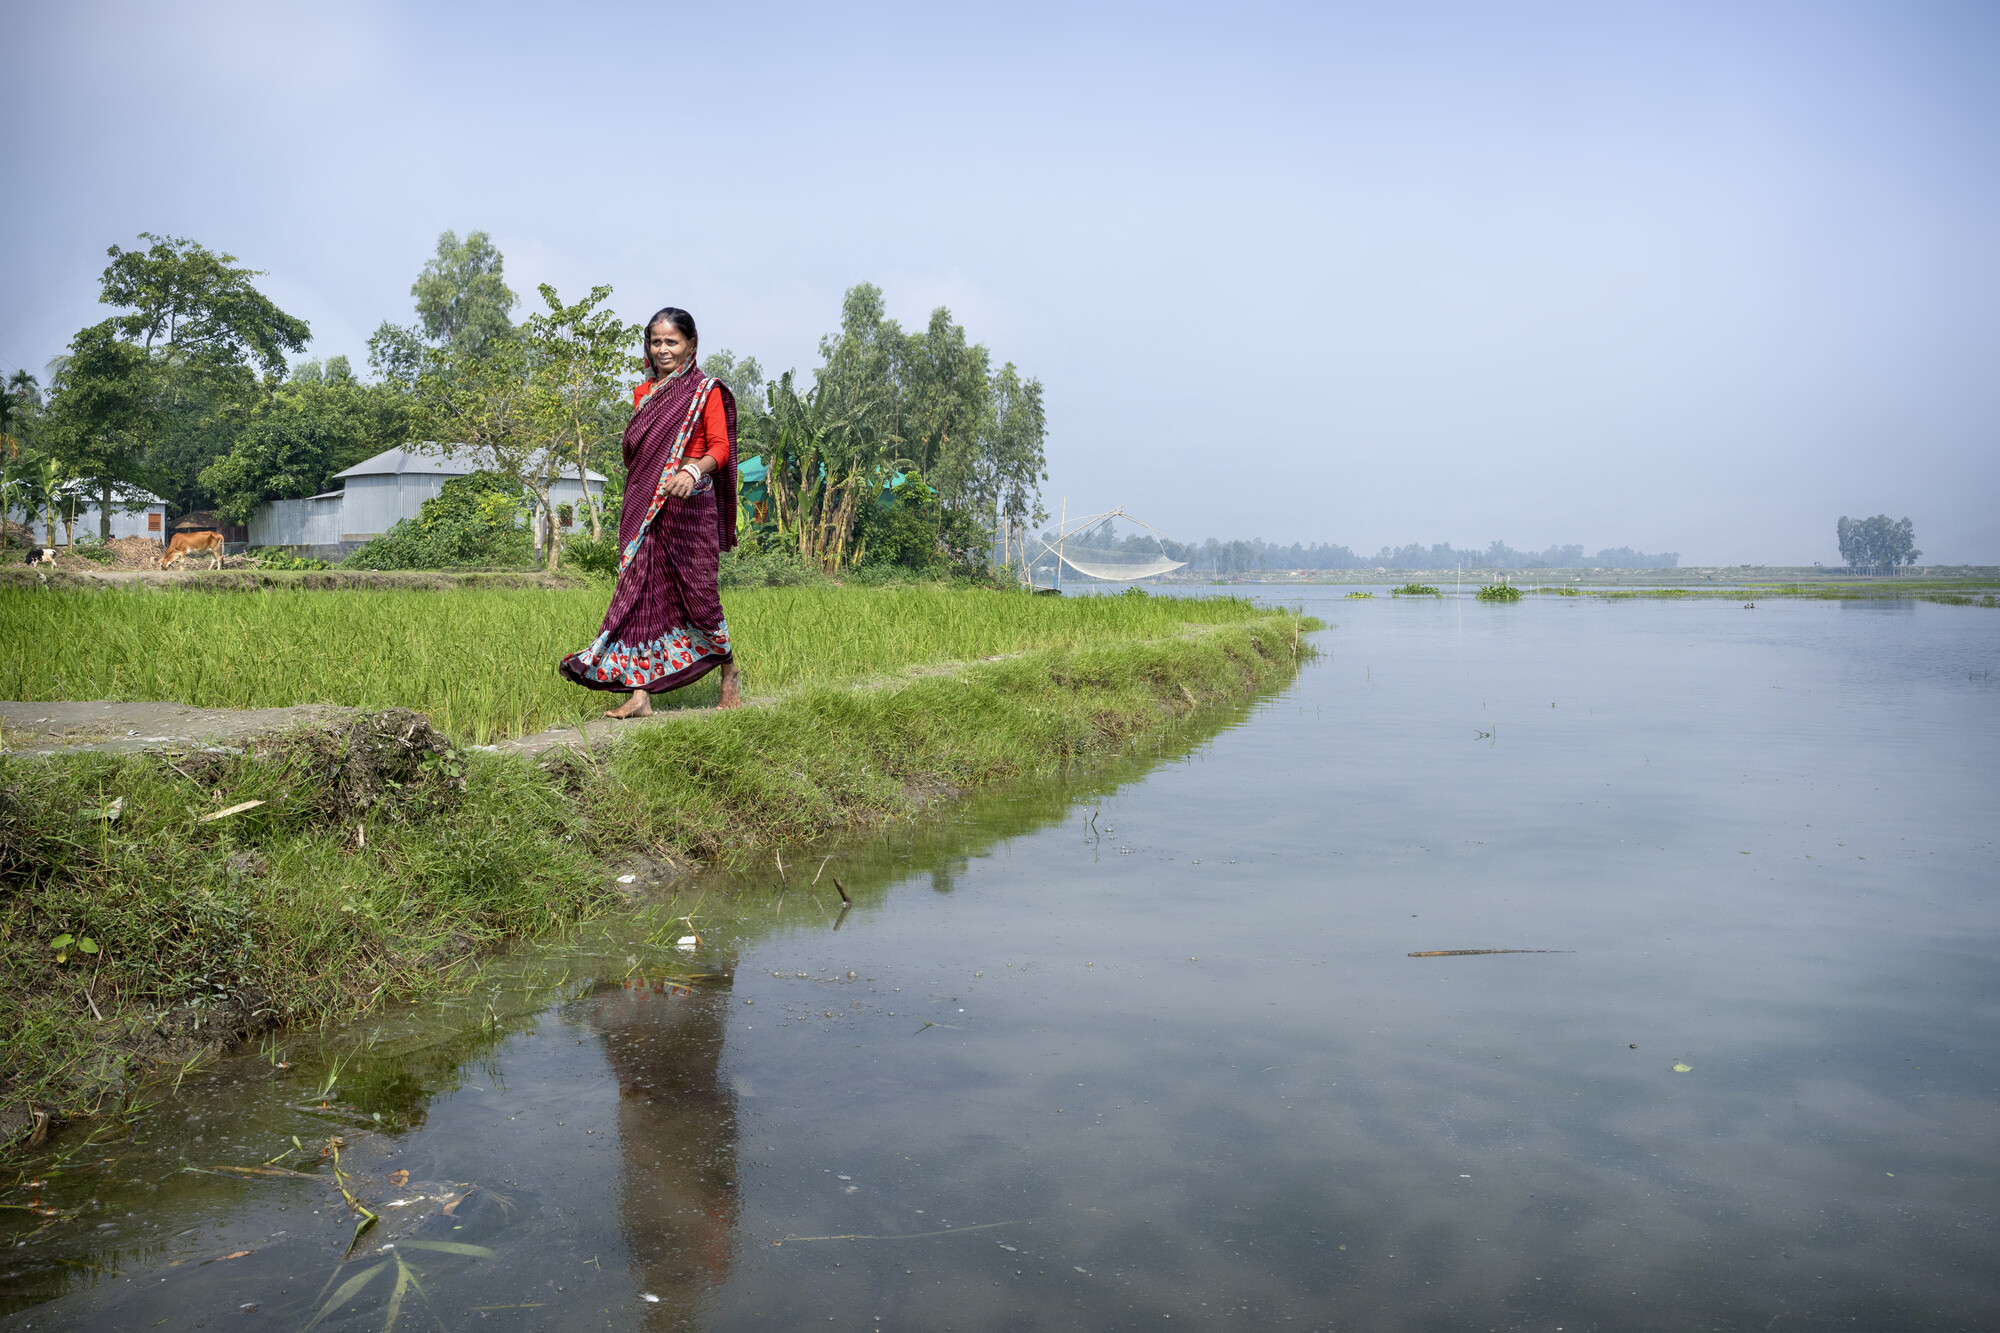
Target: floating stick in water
843, 890
1466, 953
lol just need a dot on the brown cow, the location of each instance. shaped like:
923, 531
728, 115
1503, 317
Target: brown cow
193, 543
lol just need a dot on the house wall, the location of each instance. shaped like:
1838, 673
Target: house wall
369, 507
569, 492
308, 522
376, 504
148, 522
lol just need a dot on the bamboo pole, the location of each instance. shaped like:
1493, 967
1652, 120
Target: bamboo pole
1061, 535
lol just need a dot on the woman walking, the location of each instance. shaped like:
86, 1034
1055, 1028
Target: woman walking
665, 628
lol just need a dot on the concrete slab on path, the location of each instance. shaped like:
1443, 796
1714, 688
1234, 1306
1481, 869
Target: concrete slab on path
122, 728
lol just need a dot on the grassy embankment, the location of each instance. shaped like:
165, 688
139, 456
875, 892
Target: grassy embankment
481, 662
205, 929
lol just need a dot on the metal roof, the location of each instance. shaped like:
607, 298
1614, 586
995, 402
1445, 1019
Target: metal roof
394, 462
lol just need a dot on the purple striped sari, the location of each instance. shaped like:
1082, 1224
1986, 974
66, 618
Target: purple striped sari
665, 628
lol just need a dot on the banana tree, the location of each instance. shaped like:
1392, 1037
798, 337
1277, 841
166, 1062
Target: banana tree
828, 457
50, 481
12, 477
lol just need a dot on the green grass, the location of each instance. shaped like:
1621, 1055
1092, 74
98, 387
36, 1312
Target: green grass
481, 661
282, 913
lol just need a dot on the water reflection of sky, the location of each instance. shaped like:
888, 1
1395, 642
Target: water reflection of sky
1179, 1064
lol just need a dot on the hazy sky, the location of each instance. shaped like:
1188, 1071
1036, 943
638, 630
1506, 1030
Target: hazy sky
1683, 277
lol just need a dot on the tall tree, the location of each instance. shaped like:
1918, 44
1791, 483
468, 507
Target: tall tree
859, 362
1006, 480
206, 332
1881, 543
462, 303
977, 437
200, 303
20, 405
946, 405
578, 358
462, 293
103, 418
486, 407
320, 421
744, 377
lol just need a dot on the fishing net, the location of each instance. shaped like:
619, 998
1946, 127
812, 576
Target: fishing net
1093, 548
1117, 568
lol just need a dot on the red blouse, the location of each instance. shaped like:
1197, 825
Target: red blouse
711, 432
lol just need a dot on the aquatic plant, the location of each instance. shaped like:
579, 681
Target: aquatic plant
1499, 592
1415, 590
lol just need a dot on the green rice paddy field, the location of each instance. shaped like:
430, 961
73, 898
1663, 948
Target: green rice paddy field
482, 662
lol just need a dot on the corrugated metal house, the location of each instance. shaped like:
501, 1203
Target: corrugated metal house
149, 520
311, 522
375, 496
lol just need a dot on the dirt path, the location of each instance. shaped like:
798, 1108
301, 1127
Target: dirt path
124, 728
81, 574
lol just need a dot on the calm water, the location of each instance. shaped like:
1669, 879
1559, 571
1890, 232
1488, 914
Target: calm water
1150, 1049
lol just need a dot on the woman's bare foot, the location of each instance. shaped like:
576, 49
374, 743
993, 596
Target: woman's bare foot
732, 695
637, 706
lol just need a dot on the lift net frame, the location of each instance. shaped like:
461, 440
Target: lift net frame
1106, 565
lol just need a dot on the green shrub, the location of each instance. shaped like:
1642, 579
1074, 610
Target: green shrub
1415, 590
1499, 592
285, 560
744, 568
903, 528
592, 555
474, 521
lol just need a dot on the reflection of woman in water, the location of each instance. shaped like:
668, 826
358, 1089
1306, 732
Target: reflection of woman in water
678, 1196
665, 628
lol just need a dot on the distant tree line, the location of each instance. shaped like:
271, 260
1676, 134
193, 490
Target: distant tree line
1256, 555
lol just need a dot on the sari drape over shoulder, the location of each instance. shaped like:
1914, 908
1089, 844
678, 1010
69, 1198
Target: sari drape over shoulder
664, 627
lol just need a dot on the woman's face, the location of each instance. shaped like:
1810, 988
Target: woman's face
669, 347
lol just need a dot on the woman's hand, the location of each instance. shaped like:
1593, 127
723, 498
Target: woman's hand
680, 485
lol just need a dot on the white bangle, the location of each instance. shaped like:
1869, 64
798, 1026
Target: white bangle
694, 472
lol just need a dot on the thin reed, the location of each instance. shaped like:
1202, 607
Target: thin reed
482, 662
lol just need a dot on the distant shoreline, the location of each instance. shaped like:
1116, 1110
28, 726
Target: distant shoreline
1691, 576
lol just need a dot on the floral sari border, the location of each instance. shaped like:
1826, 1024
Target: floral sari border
613, 664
